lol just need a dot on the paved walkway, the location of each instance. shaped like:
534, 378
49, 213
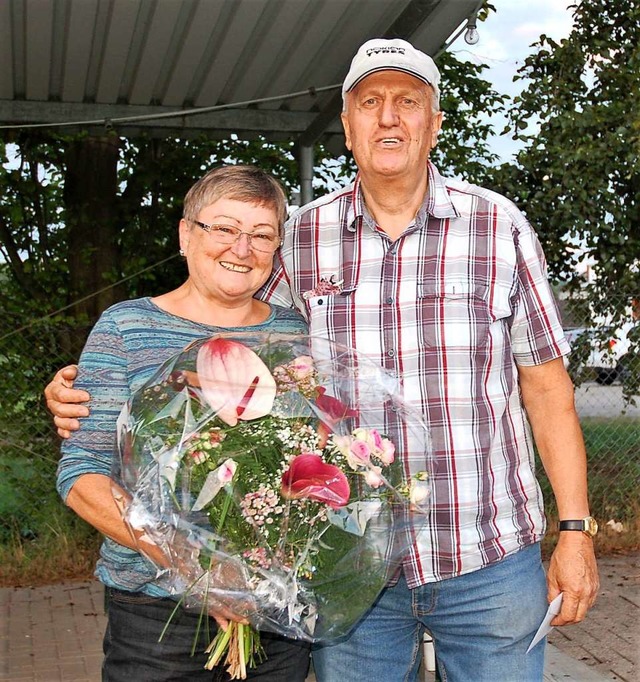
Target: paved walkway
54, 633
608, 640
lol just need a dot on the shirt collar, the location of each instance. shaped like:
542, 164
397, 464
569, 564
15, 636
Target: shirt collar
357, 209
437, 202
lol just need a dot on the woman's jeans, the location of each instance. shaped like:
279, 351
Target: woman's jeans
134, 654
482, 624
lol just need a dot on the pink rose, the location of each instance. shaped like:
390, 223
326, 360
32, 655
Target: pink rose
364, 435
359, 454
302, 367
376, 438
420, 490
388, 452
373, 476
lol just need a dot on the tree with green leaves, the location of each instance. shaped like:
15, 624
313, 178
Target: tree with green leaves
468, 102
578, 174
80, 214
87, 221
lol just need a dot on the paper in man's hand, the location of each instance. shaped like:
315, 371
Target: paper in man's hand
546, 627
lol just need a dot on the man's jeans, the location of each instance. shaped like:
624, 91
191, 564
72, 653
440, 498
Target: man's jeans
133, 653
482, 624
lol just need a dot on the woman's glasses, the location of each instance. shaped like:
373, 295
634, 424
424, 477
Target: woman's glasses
267, 242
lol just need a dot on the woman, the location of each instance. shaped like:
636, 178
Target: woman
231, 228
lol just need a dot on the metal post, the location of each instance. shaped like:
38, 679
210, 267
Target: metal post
306, 174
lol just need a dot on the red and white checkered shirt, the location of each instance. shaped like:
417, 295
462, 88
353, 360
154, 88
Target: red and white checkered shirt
450, 308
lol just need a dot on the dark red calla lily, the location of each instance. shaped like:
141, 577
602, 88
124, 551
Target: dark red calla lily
332, 407
333, 410
308, 476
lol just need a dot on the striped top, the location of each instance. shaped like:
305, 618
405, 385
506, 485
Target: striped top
450, 309
128, 343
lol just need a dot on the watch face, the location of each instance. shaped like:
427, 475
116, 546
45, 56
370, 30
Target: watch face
591, 526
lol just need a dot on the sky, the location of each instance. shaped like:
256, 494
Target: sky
505, 40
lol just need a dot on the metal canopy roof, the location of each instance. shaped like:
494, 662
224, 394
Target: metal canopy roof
105, 60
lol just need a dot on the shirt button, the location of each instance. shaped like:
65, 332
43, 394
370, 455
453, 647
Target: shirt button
389, 300
391, 353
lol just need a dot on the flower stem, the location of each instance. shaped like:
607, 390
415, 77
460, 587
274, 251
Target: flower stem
225, 510
218, 646
242, 651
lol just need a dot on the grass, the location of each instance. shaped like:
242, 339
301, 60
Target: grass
613, 458
43, 542
63, 548
54, 558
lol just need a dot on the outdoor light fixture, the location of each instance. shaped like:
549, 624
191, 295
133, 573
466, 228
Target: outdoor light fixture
471, 35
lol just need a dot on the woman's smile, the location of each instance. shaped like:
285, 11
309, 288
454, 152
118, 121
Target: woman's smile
235, 267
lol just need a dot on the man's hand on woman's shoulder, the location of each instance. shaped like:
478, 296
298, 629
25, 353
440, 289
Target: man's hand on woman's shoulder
65, 402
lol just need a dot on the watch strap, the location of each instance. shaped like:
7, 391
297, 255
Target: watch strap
588, 525
573, 524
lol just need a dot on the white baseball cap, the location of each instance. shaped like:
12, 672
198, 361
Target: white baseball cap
381, 54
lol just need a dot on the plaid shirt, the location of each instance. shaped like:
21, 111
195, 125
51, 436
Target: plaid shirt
450, 308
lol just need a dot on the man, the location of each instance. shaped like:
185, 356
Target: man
443, 283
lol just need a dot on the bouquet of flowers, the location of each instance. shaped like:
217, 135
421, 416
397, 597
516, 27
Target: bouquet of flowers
265, 467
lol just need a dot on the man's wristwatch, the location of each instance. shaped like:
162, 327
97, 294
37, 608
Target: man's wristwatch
587, 525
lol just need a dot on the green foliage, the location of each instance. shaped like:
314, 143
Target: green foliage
611, 446
37, 251
44, 232
28, 360
29, 504
30, 223
468, 102
578, 176
16, 481
155, 175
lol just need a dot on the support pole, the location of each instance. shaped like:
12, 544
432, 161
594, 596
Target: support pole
306, 174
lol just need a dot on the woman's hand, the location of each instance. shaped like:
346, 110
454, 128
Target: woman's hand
223, 616
64, 402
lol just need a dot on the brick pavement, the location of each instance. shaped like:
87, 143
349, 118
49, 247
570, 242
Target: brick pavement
608, 640
54, 633
51, 633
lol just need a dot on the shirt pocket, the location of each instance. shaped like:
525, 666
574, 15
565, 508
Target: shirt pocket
330, 315
455, 314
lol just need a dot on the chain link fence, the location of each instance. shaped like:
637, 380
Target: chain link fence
32, 516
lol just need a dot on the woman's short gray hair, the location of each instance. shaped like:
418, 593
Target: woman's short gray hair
241, 183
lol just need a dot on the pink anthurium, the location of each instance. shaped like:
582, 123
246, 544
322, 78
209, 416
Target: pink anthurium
234, 381
308, 476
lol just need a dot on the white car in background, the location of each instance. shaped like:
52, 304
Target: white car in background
608, 349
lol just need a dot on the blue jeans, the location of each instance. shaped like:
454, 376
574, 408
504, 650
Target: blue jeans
482, 624
132, 652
